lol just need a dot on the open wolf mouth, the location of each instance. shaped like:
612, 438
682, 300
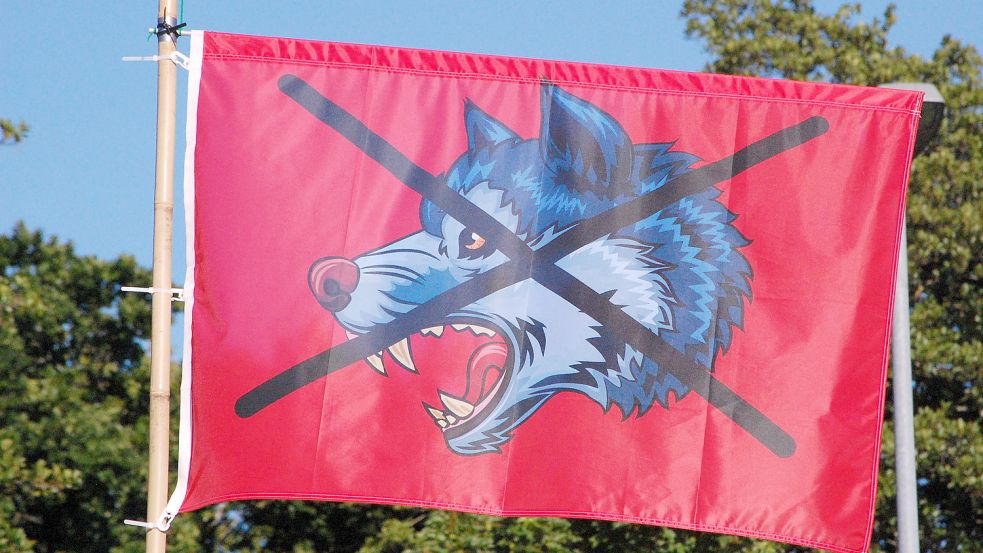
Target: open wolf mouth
468, 391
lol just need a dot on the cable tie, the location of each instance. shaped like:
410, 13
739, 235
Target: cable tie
163, 523
177, 294
142, 524
165, 28
178, 58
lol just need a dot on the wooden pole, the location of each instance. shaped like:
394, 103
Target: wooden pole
160, 341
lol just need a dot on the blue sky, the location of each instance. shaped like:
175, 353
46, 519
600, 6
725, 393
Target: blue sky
86, 171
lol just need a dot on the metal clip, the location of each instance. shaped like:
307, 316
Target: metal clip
177, 294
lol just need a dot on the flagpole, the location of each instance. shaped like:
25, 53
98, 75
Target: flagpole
906, 479
160, 341
904, 425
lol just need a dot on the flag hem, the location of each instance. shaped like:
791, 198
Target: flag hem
191, 132
882, 402
448, 64
589, 515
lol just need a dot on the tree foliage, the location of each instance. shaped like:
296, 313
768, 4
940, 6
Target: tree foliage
12, 133
73, 393
70, 402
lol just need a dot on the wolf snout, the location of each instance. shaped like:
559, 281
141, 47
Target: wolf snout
332, 280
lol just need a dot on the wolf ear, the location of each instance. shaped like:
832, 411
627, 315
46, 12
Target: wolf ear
585, 147
484, 130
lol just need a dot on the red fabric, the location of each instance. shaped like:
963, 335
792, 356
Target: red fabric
275, 189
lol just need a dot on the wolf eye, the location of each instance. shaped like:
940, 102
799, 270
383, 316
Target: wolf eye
472, 245
476, 242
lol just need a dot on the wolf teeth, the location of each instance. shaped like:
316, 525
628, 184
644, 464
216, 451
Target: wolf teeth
456, 409
375, 361
475, 329
479, 330
438, 416
457, 406
435, 330
401, 353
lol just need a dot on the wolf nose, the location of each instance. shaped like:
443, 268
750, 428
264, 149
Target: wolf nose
332, 280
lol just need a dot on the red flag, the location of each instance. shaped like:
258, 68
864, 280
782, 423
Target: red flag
535, 288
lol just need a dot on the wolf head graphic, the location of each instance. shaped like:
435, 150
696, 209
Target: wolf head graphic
678, 272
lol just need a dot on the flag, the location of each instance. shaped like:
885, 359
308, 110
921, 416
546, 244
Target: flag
534, 288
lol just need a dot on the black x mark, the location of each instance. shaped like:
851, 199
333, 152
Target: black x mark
523, 264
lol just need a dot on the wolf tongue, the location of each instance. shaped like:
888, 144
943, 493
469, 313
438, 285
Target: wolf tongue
484, 369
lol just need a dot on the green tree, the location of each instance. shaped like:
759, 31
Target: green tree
74, 389
295, 526
73, 398
11, 133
